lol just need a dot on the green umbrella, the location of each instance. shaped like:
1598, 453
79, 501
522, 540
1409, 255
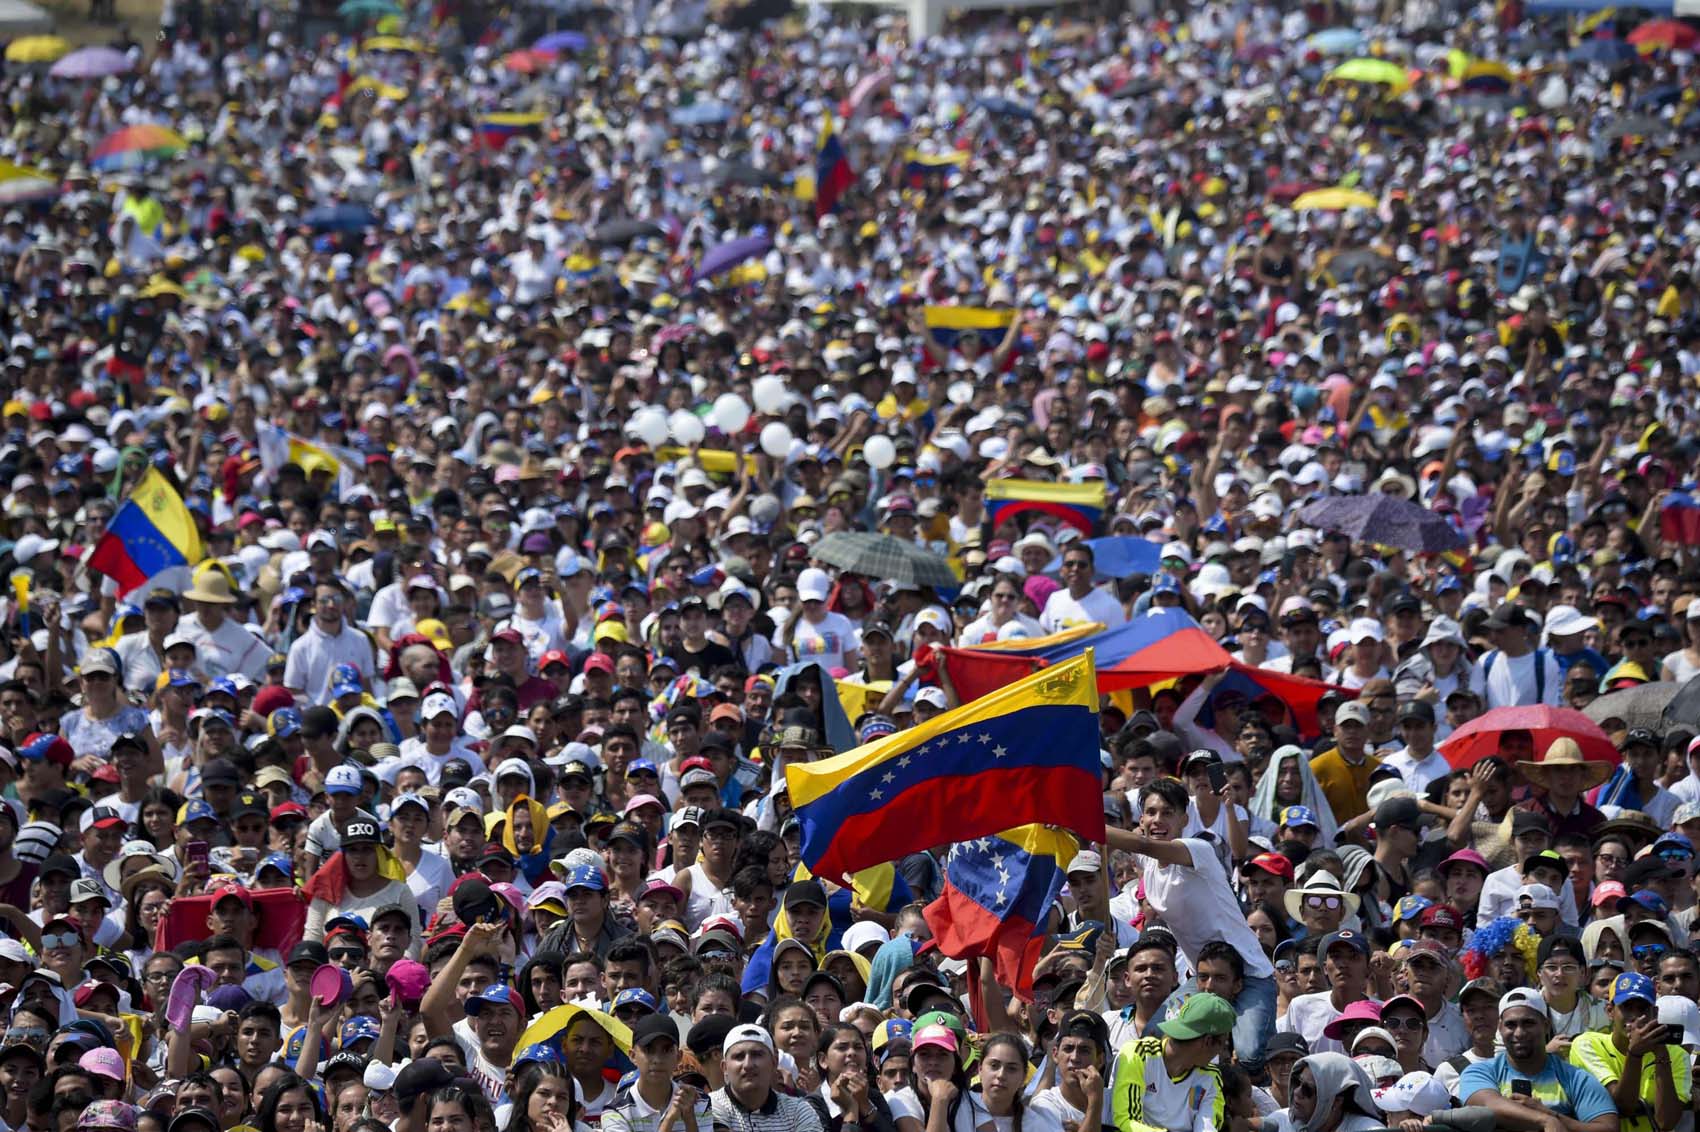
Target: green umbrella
354, 10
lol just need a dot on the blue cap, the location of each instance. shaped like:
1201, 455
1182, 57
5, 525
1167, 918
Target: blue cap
1448, 582
1410, 907
1647, 899
529, 574
635, 586
1678, 840
705, 576
640, 766
1631, 985
586, 876
635, 996
347, 920
1349, 938
876, 727
340, 690
223, 684
286, 722
344, 674
177, 678
198, 809
496, 994
279, 861
1294, 816
218, 715
359, 1029
1165, 584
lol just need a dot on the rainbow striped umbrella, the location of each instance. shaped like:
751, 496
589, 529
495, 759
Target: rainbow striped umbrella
135, 146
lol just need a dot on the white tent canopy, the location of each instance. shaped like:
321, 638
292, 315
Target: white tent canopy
19, 17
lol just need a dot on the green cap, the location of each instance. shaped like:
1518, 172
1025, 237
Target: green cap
1201, 1016
953, 1023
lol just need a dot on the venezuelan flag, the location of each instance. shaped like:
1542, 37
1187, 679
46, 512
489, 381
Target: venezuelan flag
833, 175
1027, 753
494, 130
947, 324
918, 167
1679, 519
551, 1028
1080, 505
152, 532
997, 897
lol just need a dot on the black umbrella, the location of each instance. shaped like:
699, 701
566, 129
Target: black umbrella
884, 557
1361, 263
1384, 519
1684, 707
743, 173
625, 231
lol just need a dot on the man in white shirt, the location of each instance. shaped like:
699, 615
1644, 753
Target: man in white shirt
1080, 602
1418, 763
222, 646
1512, 673
327, 643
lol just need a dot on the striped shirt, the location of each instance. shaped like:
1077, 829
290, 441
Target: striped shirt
779, 1113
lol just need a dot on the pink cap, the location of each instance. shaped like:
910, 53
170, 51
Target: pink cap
934, 1035
1363, 1010
1608, 892
104, 1062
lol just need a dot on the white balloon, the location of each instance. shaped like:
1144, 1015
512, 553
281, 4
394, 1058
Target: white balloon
687, 427
768, 394
879, 451
775, 439
730, 413
650, 425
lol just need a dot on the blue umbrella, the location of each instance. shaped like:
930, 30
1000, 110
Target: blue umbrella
1607, 52
558, 41
340, 218
724, 257
1121, 555
1006, 107
1336, 41
1658, 97
700, 114
1384, 519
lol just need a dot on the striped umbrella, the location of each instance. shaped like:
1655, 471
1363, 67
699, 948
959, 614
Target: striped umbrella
135, 146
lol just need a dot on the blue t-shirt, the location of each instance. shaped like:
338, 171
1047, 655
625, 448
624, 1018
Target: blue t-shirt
1560, 1086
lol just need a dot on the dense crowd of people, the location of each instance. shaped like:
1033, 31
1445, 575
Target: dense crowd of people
509, 386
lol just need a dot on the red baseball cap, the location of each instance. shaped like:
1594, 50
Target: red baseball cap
598, 662
511, 636
1441, 916
232, 890
288, 810
553, 656
1275, 864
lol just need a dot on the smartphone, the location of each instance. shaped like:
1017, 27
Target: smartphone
1218, 777
195, 853
1522, 1088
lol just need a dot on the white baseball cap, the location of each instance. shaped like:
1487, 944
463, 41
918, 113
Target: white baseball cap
738, 1035
436, 704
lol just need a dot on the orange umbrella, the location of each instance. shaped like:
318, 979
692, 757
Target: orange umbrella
1666, 34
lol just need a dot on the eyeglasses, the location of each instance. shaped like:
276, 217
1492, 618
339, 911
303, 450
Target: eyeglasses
1407, 1023
1286, 966
60, 939
327, 600
1611, 858
1328, 902
159, 976
1640, 950
1559, 970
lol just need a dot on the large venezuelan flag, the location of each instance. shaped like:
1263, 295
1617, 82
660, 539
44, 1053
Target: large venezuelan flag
945, 325
998, 893
1026, 753
151, 533
833, 175
494, 130
918, 166
1079, 505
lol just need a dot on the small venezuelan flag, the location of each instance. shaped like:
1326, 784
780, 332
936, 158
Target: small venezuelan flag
1080, 505
833, 175
919, 167
946, 325
494, 130
152, 532
1026, 753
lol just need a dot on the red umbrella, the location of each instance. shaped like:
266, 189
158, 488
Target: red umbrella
1667, 34
1479, 738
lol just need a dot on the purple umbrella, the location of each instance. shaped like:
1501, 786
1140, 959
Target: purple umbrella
724, 257
1384, 519
91, 63
558, 41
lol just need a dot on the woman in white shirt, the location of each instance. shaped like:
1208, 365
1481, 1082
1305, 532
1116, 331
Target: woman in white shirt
1004, 610
816, 633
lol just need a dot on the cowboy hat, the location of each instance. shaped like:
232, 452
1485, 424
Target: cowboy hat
1563, 752
1319, 884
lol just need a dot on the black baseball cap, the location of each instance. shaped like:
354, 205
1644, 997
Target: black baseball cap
418, 1077
653, 1026
307, 951
707, 1034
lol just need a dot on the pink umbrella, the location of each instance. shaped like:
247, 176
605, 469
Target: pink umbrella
91, 63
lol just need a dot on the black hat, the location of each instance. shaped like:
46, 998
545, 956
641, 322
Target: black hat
1647, 869
475, 903
652, 1026
61, 863
360, 832
1281, 1044
420, 1076
221, 771
802, 892
707, 1034
1399, 810
186, 1117
725, 817
1507, 616
915, 998
307, 951
1416, 709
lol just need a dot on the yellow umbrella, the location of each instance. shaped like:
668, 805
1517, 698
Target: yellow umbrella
392, 43
1376, 71
1333, 200
37, 49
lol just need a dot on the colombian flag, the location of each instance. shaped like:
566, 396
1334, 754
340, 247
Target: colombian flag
1080, 505
998, 893
152, 532
494, 130
1026, 753
947, 324
833, 175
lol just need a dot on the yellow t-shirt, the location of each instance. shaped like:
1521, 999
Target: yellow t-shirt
1346, 786
1598, 1054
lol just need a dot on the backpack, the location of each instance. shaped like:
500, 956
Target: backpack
1540, 672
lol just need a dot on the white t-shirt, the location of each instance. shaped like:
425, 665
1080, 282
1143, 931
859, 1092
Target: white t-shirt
1198, 905
827, 642
1418, 774
1062, 610
1510, 681
971, 1114
1307, 1016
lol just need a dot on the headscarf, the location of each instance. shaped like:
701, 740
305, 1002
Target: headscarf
535, 864
1591, 936
894, 957
1263, 802
1339, 1076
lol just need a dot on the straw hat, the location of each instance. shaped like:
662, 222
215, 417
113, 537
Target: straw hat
1564, 752
1319, 884
211, 587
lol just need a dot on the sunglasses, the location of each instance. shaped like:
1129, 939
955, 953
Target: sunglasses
1328, 902
1396, 1024
347, 953
60, 939
1675, 855
1640, 950
1286, 966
